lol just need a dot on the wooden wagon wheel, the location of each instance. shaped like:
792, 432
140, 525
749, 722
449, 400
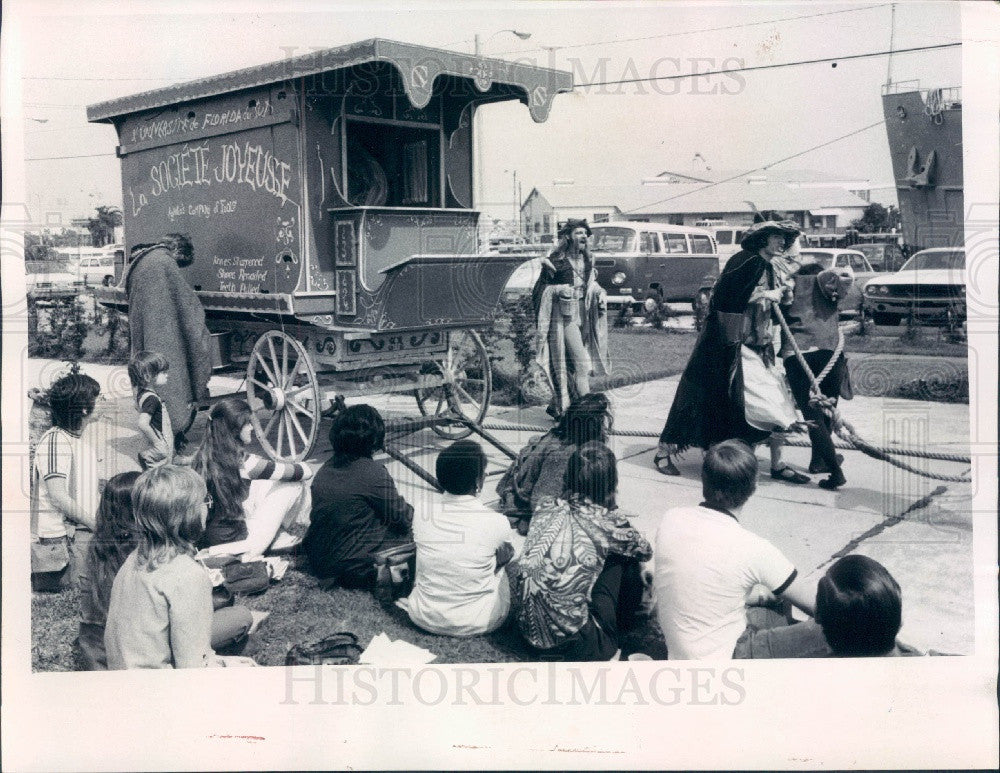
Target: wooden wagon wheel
467, 384
284, 397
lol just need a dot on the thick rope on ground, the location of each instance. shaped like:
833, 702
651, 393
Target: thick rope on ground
841, 444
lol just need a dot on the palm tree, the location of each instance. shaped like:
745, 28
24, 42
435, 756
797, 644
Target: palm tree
102, 227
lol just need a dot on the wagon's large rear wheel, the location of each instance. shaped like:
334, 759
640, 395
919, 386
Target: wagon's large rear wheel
466, 387
284, 397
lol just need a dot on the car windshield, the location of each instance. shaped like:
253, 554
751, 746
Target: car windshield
824, 259
926, 261
613, 240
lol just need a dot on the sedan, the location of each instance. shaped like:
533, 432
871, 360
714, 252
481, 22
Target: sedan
930, 286
836, 258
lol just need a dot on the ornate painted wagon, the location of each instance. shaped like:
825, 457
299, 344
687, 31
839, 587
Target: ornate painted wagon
329, 201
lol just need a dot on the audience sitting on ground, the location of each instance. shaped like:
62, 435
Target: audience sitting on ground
160, 612
114, 540
64, 486
253, 498
460, 587
579, 573
357, 510
540, 467
706, 564
859, 611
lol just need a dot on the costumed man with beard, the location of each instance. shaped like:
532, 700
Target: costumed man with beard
571, 314
166, 316
730, 387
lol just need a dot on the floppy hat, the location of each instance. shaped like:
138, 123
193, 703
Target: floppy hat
758, 232
573, 223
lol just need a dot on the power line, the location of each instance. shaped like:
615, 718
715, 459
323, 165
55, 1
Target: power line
768, 66
698, 31
760, 168
59, 158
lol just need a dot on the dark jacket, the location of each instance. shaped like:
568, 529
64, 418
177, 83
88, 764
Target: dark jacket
356, 511
708, 406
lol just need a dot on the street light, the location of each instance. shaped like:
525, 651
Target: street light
521, 35
477, 127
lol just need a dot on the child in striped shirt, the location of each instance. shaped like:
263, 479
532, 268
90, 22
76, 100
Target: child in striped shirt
147, 371
253, 498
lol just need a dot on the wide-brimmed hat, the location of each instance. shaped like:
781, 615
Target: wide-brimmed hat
834, 283
574, 223
757, 233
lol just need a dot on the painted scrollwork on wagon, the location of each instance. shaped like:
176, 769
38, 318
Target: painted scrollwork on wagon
328, 198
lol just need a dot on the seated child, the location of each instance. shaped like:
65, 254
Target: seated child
706, 562
579, 574
114, 539
460, 588
539, 469
356, 510
64, 487
148, 371
859, 611
160, 612
253, 498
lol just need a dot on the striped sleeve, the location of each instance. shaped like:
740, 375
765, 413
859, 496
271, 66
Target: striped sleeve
258, 468
53, 457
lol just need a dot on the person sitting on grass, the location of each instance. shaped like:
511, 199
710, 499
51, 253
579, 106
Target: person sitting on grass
253, 498
114, 539
148, 371
706, 564
356, 510
64, 487
160, 612
859, 611
579, 573
462, 546
540, 467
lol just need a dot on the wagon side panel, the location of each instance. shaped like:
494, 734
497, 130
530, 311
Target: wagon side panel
227, 173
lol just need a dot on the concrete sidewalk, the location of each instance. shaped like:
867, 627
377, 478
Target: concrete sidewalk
920, 529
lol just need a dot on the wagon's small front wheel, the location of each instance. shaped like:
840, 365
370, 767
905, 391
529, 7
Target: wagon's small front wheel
284, 397
466, 384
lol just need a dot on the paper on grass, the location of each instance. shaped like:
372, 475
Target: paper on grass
384, 651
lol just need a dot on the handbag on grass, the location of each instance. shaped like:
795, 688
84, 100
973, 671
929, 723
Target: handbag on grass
49, 555
340, 649
394, 572
246, 578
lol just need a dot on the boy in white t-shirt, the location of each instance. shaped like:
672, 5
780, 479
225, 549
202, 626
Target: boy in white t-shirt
706, 562
64, 486
460, 587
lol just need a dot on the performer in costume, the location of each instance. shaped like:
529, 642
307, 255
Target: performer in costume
729, 388
166, 316
571, 313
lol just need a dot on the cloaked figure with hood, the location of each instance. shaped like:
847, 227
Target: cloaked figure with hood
571, 313
730, 387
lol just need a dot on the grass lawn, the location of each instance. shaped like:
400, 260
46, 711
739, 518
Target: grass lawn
302, 613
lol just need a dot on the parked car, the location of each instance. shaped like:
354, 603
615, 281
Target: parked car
930, 285
855, 260
52, 284
96, 269
644, 264
882, 257
727, 240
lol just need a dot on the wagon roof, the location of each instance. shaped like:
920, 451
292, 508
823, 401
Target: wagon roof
418, 66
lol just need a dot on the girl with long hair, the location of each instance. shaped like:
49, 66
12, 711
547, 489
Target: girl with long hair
252, 497
571, 313
114, 539
580, 573
160, 610
540, 467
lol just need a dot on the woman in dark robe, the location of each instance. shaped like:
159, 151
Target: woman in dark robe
710, 405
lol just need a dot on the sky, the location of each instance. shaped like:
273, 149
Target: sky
72, 54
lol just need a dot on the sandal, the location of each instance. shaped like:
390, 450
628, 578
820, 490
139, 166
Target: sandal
789, 475
665, 469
